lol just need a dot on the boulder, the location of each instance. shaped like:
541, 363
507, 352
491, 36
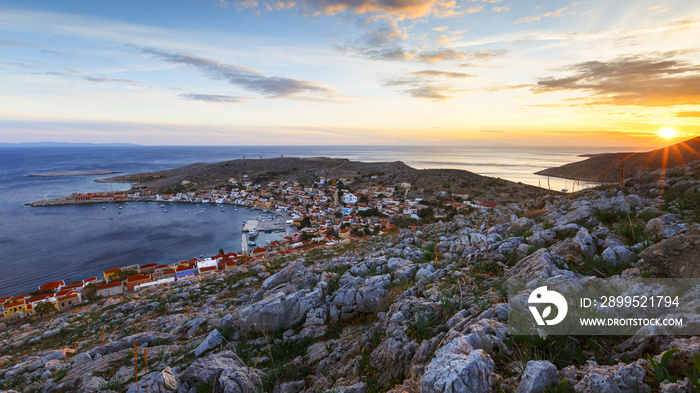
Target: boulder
586, 242
457, 367
81, 359
619, 255
620, 378
542, 237
211, 341
676, 256
541, 264
665, 226
359, 294
224, 372
578, 215
91, 385
278, 311
538, 375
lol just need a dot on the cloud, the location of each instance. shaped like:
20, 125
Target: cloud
439, 55
687, 114
212, 98
658, 79
89, 78
528, 19
397, 8
429, 84
243, 77
441, 28
431, 92
445, 74
552, 14
500, 9
387, 43
444, 38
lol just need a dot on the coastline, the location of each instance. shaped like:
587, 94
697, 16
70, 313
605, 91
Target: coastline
74, 173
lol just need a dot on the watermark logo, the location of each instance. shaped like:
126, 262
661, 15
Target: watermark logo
542, 296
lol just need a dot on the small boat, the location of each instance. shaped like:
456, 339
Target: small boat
103, 207
165, 211
252, 233
111, 218
223, 210
251, 243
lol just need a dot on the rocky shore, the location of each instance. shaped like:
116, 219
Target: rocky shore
421, 310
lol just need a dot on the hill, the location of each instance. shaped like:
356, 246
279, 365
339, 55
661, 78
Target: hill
308, 170
609, 166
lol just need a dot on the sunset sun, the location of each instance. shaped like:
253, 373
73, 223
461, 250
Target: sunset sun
667, 132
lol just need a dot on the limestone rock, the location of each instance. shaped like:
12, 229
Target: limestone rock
457, 367
619, 255
212, 340
541, 264
538, 375
278, 311
224, 371
676, 256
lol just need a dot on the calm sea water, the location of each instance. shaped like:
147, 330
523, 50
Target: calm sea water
49, 243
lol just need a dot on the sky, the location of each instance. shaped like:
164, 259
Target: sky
320, 72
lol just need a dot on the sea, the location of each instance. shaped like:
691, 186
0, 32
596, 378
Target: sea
42, 244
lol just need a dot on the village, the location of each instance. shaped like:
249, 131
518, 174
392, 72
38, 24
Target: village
326, 213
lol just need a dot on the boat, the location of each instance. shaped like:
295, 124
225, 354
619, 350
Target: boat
252, 233
165, 211
251, 243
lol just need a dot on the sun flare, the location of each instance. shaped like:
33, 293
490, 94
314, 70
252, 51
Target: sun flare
667, 132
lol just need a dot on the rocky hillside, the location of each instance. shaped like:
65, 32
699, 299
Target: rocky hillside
609, 167
421, 310
308, 170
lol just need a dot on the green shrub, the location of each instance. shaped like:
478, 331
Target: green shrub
660, 369
420, 325
60, 374
116, 384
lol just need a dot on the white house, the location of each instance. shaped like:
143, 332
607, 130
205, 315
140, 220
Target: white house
350, 198
206, 263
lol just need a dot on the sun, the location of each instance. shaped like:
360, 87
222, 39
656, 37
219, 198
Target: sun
667, 132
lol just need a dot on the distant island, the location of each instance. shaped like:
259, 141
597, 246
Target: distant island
74, 173
612, 167
62, 144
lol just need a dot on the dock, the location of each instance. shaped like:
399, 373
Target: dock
278, 223
250, 225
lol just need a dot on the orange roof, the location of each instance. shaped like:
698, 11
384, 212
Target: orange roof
137, 277
149, 265
68, 296
111, 285
116, 269
52, 285
38, 298
208, 269
7, 306
169, 271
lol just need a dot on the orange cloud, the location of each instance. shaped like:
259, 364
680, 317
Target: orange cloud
659, 79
